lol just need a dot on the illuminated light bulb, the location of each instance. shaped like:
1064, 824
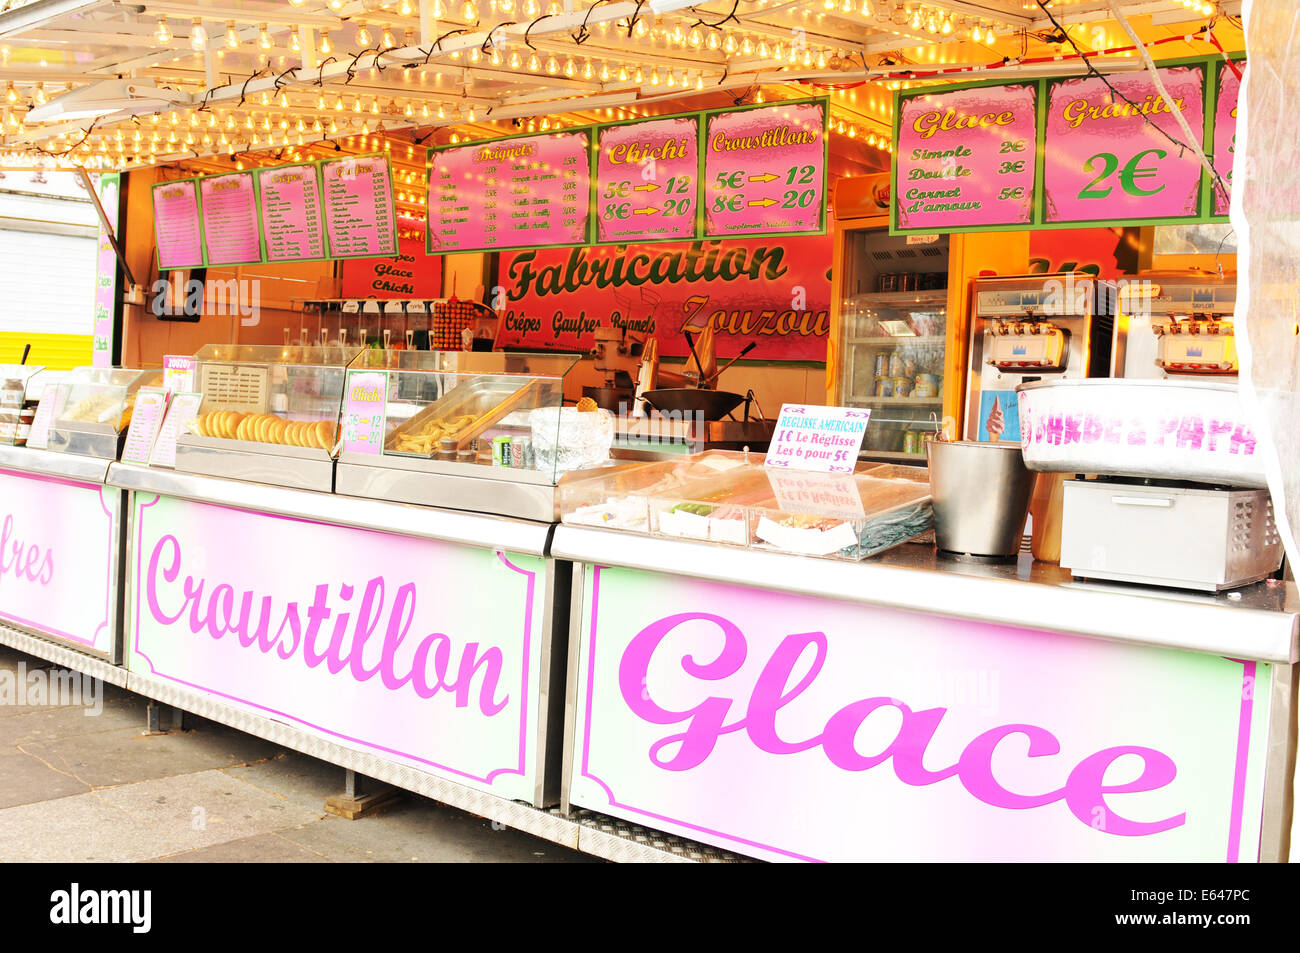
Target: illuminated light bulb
284, 99
946, 29
534, 64
302, 125
356, 105
506, 6
442, 113
454, 138
374, 106
473, 117
604, 72
198, 36
640, 29
387, 38
325, 46
496, 57
622, 74
746, 47
363, 35
569, 68
11, 94
696, 37
654, 76
587, 71
475, 55
728, 44
699, 81
263, 37
316, 127
469, 12
546, 124
515, 60
762, 49
916, 20
552, 65
712, 42
638, 76
821, 60
405, 9
164, 35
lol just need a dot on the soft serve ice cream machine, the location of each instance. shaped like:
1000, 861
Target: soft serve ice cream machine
1177, 325
1029, 328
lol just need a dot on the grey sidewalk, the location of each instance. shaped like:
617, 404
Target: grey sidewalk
80, 788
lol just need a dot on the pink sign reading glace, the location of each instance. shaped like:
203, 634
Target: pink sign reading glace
645, 180
967, 158
765, 170
1108, 159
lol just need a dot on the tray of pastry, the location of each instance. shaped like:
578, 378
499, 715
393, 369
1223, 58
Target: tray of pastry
448, 427
228, 428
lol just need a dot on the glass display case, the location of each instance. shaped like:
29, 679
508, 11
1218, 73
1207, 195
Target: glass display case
893, 336
94, 409
482, 431
269, 414
742, 503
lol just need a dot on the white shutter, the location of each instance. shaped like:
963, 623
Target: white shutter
47, 283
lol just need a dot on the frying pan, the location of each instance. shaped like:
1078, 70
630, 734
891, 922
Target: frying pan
713, 404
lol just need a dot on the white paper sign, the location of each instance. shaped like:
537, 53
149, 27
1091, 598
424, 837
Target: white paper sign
809, 437
183, 409
47, 411
146, 419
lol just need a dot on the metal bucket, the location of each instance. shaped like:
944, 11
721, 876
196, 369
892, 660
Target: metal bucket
981, 495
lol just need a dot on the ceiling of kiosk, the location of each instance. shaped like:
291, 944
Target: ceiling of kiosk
272, 81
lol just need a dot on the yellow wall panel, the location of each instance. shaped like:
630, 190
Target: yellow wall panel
58, 352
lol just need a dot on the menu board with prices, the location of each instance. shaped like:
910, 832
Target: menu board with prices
646, 185
1225, 134
231, 233
360, 212
178, 230
765, 170
146, 420
967, 156
523, 192
293, 220
1109, 157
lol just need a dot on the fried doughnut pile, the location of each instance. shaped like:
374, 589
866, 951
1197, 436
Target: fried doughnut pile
429, 437
267, 428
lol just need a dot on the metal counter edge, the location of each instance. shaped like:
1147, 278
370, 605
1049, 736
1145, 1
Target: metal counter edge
1122, 614
470, 529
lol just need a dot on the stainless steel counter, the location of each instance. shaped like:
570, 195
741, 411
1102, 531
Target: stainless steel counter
1259, 622
49, 463
520, 536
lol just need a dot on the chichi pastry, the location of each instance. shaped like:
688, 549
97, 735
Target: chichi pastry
586, 405
266, 428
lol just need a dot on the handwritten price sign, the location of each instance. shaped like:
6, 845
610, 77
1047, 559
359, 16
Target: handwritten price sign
826, 439
364, 411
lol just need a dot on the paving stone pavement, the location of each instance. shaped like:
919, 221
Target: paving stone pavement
78, 786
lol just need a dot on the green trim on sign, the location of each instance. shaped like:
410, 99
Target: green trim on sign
899, 96
198, 212
320, 195
595, 219
824, 103
392, 205
477, 143
1204, 195
257, 209
1213, 87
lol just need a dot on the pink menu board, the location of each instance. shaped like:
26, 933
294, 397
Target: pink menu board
967, 158
1225, 134
1103, 160
524, 192
231, 235
293, 219
360, 215
765, 170
645, 180
177, 228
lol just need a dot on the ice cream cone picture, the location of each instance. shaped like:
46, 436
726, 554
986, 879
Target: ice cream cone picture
995, 424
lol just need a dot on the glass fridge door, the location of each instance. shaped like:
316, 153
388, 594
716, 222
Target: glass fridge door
893, 357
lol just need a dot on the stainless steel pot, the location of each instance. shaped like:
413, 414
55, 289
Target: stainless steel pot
981, 495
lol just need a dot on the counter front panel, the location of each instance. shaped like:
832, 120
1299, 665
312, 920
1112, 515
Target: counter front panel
791, 727
419, 650
59, 557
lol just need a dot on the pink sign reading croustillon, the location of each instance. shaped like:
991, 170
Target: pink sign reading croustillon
1225, 135
230, 229
359, 208
293, 221
967, 158
511, 193
1107, 159
645, 180
177, 229
765, 170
